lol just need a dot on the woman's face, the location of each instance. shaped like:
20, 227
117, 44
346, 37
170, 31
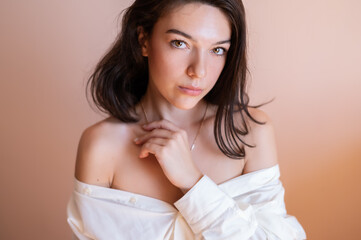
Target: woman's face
186, 53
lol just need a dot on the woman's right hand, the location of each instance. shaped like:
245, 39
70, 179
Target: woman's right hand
170, 146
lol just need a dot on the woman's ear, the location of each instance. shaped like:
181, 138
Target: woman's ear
143, 41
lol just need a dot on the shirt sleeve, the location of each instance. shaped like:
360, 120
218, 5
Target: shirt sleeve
74, 221
258, 214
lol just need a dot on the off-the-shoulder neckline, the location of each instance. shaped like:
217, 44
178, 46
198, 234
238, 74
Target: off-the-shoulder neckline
164, 203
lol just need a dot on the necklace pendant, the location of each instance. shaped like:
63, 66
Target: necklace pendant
193, 146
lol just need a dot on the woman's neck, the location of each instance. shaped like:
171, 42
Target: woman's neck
156, 108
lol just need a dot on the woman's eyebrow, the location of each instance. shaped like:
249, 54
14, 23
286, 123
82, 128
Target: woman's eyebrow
191, 38
180, 33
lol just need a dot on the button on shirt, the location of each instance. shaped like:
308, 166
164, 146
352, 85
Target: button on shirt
250, 206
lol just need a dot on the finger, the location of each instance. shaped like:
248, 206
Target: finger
149, 148
165, 124
160, 141
156, 133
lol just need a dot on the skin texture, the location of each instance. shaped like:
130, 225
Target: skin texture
187, 49
181, 55
179, 61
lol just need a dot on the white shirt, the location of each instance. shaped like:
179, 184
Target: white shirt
250, 206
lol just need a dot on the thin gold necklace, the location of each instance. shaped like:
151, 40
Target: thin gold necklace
199, 128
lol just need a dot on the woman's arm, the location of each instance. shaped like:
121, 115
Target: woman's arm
257, 214
256, 209
264, 154
96, 149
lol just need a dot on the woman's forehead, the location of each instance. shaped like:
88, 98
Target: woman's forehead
200, 21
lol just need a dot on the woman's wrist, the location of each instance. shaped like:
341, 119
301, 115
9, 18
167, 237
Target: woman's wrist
192, 181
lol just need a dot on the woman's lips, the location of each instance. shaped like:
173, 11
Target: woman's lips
192, 91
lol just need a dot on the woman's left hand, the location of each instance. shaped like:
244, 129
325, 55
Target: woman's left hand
169, 144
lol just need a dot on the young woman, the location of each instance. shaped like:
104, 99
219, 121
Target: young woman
182, 155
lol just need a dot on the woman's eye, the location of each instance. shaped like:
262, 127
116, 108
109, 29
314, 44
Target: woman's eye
178, 44
219, 51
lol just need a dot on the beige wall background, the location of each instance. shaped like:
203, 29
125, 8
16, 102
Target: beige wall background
306, 54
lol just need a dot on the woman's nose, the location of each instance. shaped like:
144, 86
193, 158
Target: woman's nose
197, 68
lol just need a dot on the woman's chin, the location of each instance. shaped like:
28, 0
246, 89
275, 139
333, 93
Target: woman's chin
186, 105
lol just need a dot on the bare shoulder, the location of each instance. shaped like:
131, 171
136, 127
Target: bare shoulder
262, 136
99, 147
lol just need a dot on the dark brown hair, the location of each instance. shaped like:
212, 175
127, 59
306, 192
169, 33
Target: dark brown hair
120, 79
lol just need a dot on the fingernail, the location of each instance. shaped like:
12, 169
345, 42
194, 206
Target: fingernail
136, 139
